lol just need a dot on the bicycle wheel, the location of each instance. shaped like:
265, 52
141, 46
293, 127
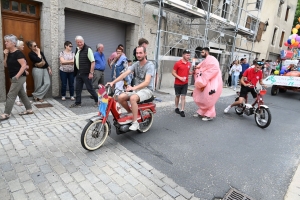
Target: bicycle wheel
146, 125
94, 135
262, 117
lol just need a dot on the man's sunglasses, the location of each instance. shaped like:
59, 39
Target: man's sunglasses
260, 63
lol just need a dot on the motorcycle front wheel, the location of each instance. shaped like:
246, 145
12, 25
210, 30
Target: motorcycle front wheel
262, 117
94, 135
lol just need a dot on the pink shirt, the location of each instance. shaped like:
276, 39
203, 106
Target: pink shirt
112, 56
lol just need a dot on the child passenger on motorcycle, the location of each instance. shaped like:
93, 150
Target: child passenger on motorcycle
248, 81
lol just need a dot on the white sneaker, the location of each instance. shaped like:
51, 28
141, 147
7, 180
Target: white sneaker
234, 89
207, 119
135, 125
63, 98
72, 99
197, 115
231, 87
227, 109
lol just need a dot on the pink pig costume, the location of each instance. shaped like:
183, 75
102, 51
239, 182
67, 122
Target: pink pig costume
208, 86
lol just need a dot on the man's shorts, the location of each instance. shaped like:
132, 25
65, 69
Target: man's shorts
245, 90
181, 89
144, 94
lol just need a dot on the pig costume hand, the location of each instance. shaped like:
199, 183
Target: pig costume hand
208, 86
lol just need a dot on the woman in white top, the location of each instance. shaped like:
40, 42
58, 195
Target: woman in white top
235, 71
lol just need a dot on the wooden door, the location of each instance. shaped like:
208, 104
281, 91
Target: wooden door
21, 18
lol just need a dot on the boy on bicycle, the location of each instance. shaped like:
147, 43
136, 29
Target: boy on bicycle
248, 81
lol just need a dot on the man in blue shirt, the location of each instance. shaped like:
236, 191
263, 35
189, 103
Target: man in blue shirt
245, 66
100, 64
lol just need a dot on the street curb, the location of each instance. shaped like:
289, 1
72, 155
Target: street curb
293, 191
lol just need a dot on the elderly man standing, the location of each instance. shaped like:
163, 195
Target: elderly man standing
84, 64
99, 66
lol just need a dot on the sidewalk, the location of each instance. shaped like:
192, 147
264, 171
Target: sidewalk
41, 158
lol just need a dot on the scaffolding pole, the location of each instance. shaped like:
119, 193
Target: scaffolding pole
157, 51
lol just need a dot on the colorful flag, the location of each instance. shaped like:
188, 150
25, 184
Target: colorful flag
103, 100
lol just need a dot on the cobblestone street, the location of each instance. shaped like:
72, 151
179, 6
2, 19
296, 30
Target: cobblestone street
41, 158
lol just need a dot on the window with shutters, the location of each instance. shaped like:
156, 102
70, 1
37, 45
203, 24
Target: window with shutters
251, 23
260, 31
274, 36
281, 39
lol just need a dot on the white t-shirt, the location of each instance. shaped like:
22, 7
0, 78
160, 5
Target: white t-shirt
236, 70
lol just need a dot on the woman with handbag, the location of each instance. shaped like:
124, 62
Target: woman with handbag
15, 62
66, 70
40, 71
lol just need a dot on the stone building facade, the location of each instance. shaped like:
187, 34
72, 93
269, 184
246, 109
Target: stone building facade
124, 21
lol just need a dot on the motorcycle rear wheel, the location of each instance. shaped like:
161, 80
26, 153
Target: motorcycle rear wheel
146, 125
94, 135
262, 117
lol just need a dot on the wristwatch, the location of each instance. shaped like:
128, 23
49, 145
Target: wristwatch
92, 73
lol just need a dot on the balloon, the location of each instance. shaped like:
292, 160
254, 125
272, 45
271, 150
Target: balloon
299, 19
294, 36
289, 41
297, 38
294, 30
293, 41
299, 46
291, 36
297, 26
276, 72
296, 44
277, 67
283, 68
282, 71
286, 44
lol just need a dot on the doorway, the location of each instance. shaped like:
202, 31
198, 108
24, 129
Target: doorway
22, 19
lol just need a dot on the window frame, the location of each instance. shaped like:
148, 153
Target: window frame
281, 38
274, 37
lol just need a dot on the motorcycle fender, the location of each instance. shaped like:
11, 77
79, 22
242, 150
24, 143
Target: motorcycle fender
266, 107
95, 118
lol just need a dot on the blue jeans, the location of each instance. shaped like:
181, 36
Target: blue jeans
67, 77
234, 80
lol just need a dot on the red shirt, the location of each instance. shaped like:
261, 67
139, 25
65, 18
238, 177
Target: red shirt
252, 76
182, 69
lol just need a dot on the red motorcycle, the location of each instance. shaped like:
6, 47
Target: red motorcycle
261, 112
98, 128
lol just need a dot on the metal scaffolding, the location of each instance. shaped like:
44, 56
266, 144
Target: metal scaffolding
223, 21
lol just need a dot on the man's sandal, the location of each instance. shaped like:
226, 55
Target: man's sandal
6, 116
27, 112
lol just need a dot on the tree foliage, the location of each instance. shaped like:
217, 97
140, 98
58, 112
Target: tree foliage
297, 15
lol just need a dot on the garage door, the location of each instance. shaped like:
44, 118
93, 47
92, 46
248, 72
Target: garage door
95, 30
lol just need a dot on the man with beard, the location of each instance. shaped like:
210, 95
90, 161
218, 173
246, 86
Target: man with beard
208, 86
143, 89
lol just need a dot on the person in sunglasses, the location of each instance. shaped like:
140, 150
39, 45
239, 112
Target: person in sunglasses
41, 71
66, 70
248, 81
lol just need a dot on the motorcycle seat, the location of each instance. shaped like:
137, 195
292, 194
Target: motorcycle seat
147, 100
